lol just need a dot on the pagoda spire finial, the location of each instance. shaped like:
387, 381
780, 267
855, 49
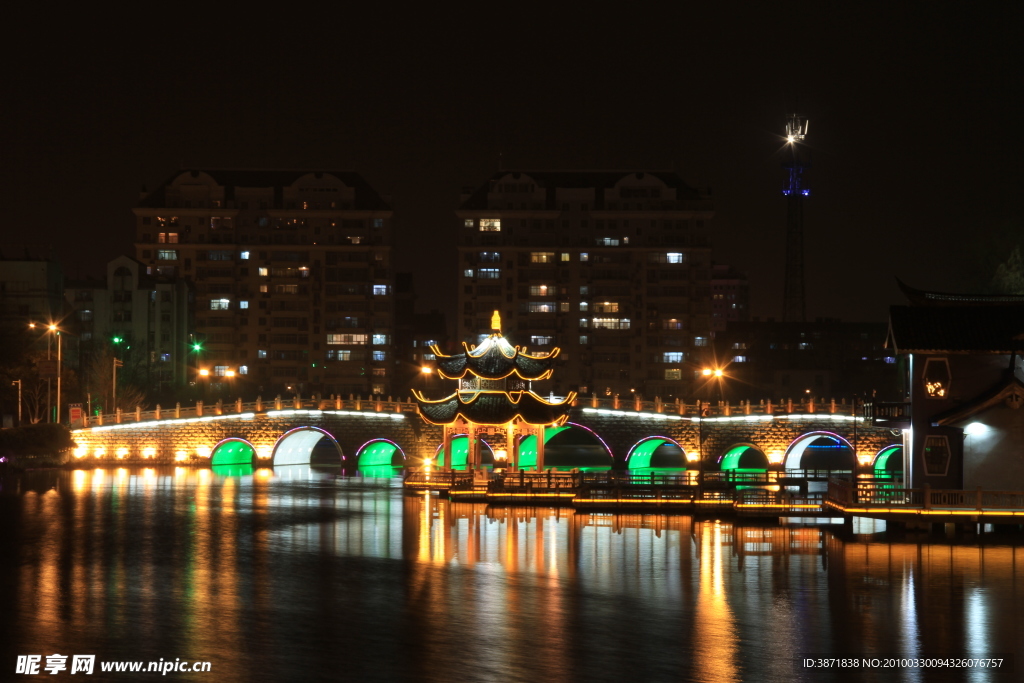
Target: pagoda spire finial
496, 322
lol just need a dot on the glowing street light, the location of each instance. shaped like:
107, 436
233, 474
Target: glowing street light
204, 373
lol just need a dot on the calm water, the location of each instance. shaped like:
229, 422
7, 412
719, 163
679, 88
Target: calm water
291, 575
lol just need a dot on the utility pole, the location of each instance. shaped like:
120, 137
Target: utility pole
794, 305
18, 382
59, 368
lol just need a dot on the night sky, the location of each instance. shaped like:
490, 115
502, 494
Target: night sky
915, 123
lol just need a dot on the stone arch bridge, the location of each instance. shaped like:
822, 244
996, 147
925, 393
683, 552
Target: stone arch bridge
392, 433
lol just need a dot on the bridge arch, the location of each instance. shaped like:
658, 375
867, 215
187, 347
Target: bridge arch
820, 451
743, 457
567, 447
233, 451
654, 452
295, 447
379, 455
889, 462
460, 452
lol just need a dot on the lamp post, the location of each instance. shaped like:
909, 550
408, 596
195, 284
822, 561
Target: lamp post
56, 331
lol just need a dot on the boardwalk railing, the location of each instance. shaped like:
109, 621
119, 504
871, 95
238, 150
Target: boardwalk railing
848, 494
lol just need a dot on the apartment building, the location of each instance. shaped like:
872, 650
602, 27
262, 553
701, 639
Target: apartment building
613, 267
291, 272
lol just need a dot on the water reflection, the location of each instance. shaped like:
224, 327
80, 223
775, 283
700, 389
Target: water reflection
268, 573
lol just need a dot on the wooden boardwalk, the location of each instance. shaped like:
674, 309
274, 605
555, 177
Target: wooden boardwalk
741, 494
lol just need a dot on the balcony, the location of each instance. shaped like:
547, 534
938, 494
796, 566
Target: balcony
888, 414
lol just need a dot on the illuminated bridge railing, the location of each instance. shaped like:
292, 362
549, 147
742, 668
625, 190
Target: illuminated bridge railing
201, 409
657, 408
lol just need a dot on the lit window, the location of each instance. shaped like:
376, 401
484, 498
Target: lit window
890, 359
346, 339
672, 357
584, 339
584, 322
542, 290
243, 370
739, 359
378, 222
264, 289
611, 323
700, 341
261, 353
264, 272
380, 290
220, 370
167, 255
468, 272
244, 255
565, 257
468, 223
354, 239
607, 242
563, 306
489, 273
606, 307
584, 306
165, 357
378, 388
490, 257
380, 339
673, 373
541, 307
490, 225
339, 354
220, 304
380, 372
541, 340
429, 356
172, 238
378, 355
542, 257
584, 256
584, 290
670, 257
243, 304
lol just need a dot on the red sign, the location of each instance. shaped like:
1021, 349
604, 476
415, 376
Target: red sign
75, 413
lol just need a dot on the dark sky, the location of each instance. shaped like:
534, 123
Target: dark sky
915, 116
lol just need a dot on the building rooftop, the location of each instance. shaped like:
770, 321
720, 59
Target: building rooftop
366, 198
957, 328
552, 180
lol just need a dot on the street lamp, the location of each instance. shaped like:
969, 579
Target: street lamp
718, 374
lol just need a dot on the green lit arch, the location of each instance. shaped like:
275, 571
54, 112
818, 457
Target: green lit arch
639, 457
233, 451
380, 453
743, 457
528, 447
460, 453
886, 464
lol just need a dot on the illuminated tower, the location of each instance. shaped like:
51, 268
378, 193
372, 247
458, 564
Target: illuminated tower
794, 307
494, 399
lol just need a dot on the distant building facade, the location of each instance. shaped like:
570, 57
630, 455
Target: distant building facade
143, 317
613, 267
292, 275
797, 360
730, 297
31, 290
